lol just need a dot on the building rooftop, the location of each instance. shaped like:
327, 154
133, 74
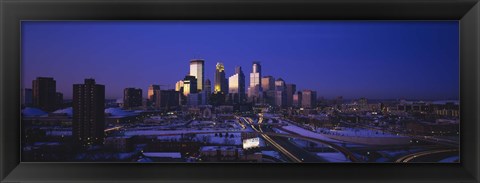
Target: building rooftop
33, 112
214, 148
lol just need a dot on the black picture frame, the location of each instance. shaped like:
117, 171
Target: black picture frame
467, 12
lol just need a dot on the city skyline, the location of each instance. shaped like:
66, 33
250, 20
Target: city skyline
283, 91
432, 71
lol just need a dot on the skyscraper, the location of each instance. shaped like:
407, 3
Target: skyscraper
179, 86
189, 85
167, 99
208, 90
268, 83
44, 93
27, 97
280, 93
88, 120
236, 85
255, 87
220, 82
290, 91
309, 99
269, 97
132, 97
197, 69
58, 100
151, 92
280, 85
297, 99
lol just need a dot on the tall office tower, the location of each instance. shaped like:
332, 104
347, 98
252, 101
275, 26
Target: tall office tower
280, 85
132, 97
167, 99
220, 82
44, 93
280, 93
151, 92
297, 99
197, 69
27, 97
179, 86
195, 99
208, 90
269, 97
88, 121
189, 85
309, 99
255, 88
58, 100
290, 91
268, 83
236, 86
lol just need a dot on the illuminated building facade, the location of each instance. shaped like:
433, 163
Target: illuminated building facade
255, 87
220, 82
309, 99
197, 69
152, 94
236, 85
268, 83
280, 94
189, 85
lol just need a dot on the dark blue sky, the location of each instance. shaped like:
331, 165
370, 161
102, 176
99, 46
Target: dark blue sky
373, 59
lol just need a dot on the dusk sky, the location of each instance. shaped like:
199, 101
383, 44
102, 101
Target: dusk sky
373, 59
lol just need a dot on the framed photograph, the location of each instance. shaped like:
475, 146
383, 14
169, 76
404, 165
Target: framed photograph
240, 91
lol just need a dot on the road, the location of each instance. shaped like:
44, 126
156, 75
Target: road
430, 139
301, 153
349, 154
291, 134
435, 154
272, 142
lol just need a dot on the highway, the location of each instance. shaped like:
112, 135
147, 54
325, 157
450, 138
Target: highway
332, 145
430, 139
277, 146
423, 154
304, 155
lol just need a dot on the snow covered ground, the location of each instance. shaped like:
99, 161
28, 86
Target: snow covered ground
333, 157
307, 144
279, 131
211, 138
308, 133
274, 154
162, 154
169, 138
356, 132
59, 133
33, 112
167, 132
301, 143
119, 112
68, 111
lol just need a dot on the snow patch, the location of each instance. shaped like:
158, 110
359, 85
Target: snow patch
333, 157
